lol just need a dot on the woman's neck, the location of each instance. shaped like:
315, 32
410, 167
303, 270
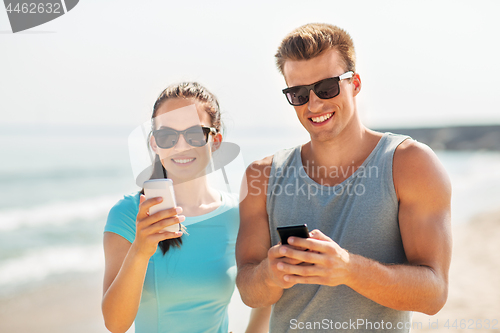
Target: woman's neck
195, 196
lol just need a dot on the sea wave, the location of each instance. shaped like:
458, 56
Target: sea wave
51, 175
37, 266
57, 213
475, 178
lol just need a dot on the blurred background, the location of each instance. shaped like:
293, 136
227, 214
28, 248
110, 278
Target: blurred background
73, 89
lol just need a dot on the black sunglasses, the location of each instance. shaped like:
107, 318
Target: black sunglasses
324, 89
196, 136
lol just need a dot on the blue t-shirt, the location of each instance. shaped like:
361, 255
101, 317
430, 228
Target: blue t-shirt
189, 288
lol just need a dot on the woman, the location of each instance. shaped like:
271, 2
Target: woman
165, 281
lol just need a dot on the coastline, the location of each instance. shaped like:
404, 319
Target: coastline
72, 304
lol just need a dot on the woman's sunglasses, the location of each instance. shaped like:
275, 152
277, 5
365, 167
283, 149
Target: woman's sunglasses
324, 89
196, 136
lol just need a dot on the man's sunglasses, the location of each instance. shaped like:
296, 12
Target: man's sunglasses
324, 89
196, 136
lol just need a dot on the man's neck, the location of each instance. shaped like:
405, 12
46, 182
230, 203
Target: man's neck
330, 162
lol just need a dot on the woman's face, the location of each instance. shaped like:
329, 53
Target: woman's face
184, 162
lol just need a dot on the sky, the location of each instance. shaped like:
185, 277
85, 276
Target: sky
421, 63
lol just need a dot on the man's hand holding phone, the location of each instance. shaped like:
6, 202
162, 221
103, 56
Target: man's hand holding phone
325, 262
276, 257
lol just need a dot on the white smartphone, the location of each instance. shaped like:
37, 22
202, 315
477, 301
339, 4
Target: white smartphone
161, 188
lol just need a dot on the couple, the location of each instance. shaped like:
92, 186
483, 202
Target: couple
380, 244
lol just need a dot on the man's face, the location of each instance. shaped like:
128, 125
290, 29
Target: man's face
324, 119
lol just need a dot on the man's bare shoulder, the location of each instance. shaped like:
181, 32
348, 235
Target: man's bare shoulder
261, 167
413, 153
266, 161
416, 166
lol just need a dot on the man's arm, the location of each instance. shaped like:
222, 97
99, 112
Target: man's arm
424, 192
259, 320
259, 285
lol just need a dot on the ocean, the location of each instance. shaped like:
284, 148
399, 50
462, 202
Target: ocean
57, 189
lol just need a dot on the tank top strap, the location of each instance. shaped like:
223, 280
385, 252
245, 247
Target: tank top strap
384, 158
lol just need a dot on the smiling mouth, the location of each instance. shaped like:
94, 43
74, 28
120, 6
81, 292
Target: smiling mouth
322, 118
183, 160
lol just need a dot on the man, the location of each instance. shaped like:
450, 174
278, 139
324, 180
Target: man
379, 205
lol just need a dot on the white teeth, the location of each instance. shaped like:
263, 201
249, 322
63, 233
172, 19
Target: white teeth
183, 161
322, 118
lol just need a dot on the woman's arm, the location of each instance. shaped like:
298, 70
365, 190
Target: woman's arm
259, 320
126, 264
123, 280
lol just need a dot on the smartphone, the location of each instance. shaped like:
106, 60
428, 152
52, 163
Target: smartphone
299, 230
161, 188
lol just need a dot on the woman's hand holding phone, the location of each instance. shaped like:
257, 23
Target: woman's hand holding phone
149, 228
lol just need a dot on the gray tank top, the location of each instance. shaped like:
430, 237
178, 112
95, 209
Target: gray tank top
361, 215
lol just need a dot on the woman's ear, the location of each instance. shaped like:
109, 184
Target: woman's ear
217, 142
152, 144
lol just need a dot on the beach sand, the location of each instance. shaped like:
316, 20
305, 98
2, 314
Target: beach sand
474, 292
73, 305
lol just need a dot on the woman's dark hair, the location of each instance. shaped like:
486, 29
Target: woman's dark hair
186, 90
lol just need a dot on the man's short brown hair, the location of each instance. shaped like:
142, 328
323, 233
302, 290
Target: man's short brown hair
309, 40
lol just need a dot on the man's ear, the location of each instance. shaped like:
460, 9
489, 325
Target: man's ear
217, 142
356, 81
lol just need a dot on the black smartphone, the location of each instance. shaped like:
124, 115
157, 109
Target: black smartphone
298, 230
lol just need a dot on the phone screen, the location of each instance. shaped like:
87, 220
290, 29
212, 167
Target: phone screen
299, 230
